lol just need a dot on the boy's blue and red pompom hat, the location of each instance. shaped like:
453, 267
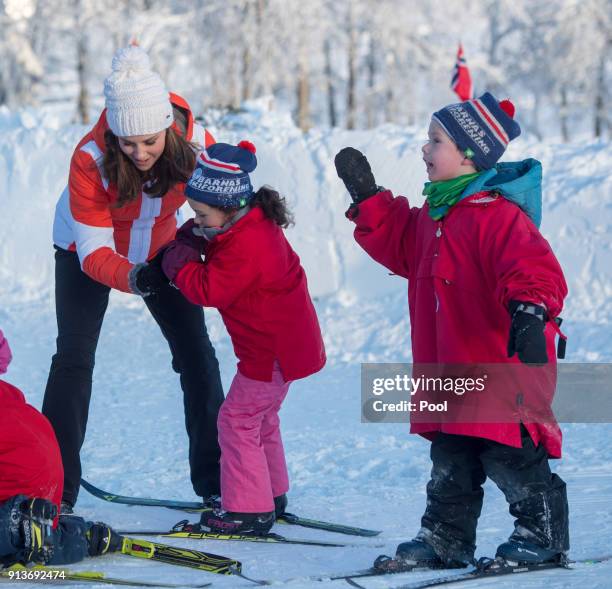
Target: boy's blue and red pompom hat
221, 177
483, 126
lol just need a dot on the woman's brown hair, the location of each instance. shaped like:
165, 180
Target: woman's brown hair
175, 165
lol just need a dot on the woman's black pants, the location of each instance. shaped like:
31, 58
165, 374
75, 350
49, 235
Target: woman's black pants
80, 306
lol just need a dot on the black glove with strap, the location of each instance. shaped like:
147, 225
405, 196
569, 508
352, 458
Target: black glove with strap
148, 278
527, 337
354, 170
102, 539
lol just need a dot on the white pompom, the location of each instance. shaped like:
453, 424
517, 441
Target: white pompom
131, 58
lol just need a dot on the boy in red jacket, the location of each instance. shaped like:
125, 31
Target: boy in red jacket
31, 483
253, 276
483, 287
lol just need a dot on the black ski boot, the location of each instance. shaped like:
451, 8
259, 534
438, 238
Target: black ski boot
411, 555
102, 539
422, 554
233, 522
520, 551
280, 505
30, 528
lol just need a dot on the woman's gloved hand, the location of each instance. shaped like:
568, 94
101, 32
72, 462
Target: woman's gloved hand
148, 278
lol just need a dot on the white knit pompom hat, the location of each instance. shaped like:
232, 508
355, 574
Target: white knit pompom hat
137, 101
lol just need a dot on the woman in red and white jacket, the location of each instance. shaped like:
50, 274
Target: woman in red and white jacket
119, 210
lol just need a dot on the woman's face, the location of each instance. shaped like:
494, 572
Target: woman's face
207, 216
143, 150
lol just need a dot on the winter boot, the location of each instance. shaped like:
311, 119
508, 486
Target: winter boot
30, 527
422, 554
411, 555
280, 505
102, 539
520, 551
233, 522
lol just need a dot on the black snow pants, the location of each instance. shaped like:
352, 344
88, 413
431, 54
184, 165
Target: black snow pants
537, 498
80, 307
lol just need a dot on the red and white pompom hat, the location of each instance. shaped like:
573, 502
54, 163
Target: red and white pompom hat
481, 128
221, 177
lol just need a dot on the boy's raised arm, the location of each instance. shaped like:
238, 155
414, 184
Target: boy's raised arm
384, 224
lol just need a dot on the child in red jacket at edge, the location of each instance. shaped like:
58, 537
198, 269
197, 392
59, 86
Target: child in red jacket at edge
31, 484
253, 276
478, 269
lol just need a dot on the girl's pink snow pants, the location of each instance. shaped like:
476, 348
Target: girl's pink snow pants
253, 468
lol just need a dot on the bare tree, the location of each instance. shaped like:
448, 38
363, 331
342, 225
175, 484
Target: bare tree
352, 66
356, 63
601, 117
22, 67
330, 86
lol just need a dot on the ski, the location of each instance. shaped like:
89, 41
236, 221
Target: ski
184, 529
193, 506
142, 501
477, 573
315, 524
371, 572
489, 567
376, 572
204, 561
47, 574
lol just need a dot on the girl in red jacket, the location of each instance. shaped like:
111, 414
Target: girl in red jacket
253, 276
483, 287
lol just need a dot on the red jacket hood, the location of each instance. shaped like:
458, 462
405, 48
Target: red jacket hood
177, 101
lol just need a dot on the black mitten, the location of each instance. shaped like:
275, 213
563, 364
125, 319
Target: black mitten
148, 278
354, 170
527, 333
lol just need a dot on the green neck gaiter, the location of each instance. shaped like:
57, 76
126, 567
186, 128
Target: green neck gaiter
442, 195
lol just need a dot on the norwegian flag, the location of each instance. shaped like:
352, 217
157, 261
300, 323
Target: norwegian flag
462, 80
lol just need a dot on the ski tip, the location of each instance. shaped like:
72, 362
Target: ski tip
290, 518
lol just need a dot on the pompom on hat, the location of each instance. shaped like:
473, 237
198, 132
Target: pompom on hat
137, 100
221, 177
481, 128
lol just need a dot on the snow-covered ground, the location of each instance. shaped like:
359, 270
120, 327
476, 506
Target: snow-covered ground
341, 470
